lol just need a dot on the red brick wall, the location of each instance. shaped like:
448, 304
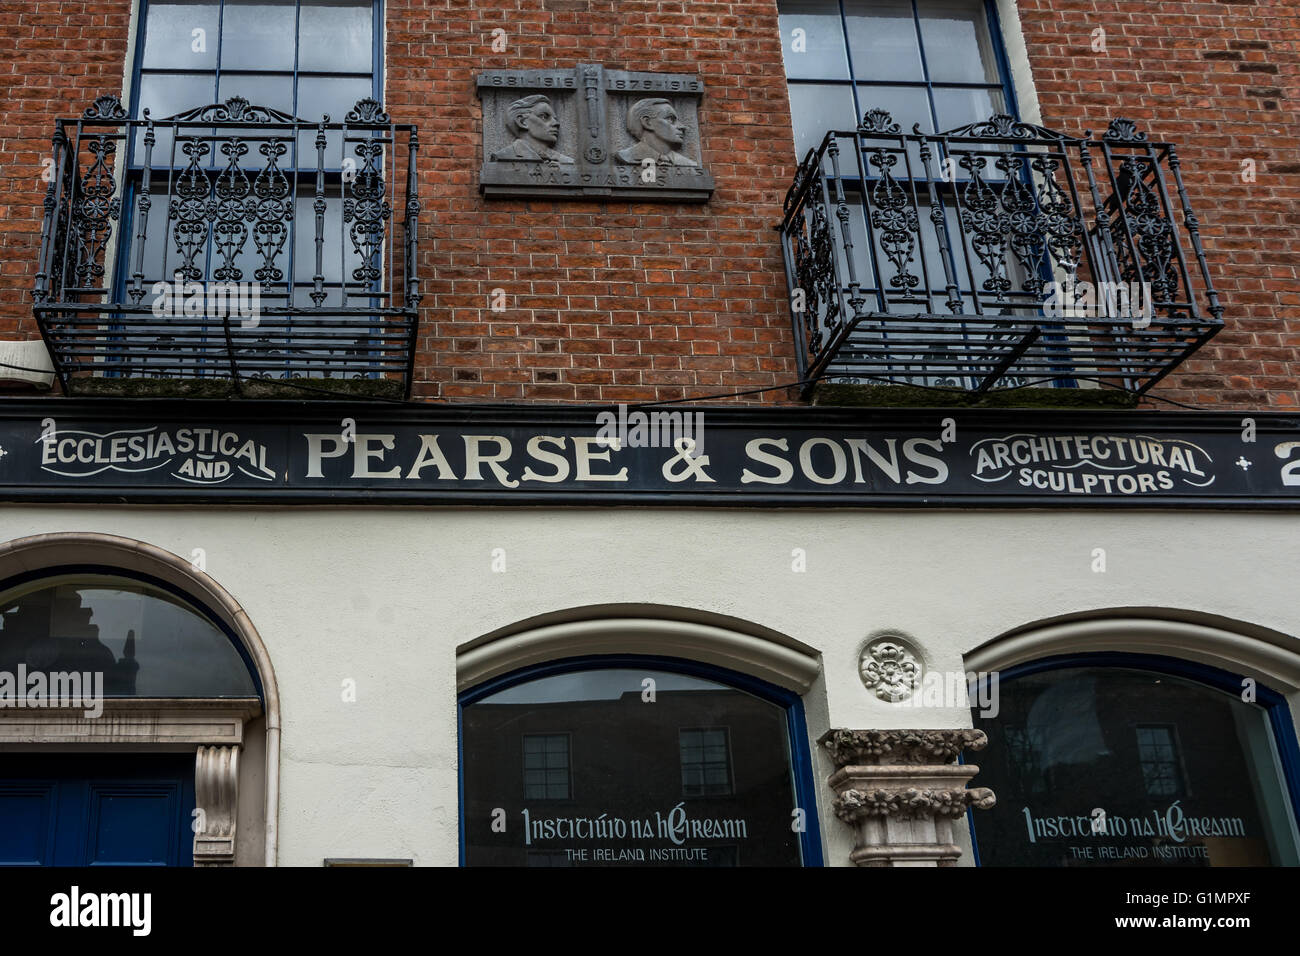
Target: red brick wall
606, 301
618, 301
55, 58
1219, 79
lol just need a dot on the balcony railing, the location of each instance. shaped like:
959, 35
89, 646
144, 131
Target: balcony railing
999, 255
229, 249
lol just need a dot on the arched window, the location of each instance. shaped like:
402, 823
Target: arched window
1104, 759
621, 760
133, 639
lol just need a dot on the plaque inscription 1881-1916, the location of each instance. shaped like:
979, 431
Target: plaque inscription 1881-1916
590, 132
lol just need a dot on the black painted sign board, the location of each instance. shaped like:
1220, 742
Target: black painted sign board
293, 452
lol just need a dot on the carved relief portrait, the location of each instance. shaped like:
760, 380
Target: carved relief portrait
587, 131
658, 132
536, 128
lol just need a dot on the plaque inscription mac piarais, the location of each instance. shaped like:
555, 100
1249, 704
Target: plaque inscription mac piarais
590, 132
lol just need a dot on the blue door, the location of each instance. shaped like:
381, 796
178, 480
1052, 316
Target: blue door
93, 810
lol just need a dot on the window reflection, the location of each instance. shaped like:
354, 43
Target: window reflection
624, 767
144, 641
1116, 766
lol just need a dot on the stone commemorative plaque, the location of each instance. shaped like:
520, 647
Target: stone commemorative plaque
590, 132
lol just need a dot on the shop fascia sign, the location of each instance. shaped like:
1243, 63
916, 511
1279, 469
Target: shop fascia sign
441, 454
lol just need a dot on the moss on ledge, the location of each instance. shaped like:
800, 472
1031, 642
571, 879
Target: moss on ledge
910, 396
304, 388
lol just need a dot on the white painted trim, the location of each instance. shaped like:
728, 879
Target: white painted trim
1267, 660
781, 664
1022, 74
133, 721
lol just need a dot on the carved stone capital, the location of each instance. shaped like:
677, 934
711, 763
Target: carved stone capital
901, 791
216, 798
899, 746
852, 805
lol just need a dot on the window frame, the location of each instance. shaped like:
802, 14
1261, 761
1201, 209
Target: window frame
138, 69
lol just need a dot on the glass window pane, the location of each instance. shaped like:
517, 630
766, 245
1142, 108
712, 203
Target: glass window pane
882, 40
907, 105
258, 35
273, 91
1065, 745
816, 110
958, 43
336, 36
816, 53
958, 108
180, 34
333, 95
165, 95
141, 641
633, 773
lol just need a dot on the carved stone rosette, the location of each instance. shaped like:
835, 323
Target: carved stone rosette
889, 668
216, 796
902, 791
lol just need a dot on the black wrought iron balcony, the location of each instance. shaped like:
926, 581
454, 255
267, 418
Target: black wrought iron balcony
999, 255
231, 249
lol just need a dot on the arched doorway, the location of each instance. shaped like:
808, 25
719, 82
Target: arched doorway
135, 696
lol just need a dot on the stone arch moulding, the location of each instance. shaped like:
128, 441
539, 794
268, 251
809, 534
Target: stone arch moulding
213, 728
640, 629
1230, 645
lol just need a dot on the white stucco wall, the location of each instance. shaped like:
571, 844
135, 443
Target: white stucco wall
385, 596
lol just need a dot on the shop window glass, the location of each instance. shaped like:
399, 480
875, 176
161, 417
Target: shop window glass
660, 768
1124, 766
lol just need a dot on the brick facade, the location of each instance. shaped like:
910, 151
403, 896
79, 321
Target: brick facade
618, 301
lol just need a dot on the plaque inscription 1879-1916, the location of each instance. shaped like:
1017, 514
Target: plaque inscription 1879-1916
591, 132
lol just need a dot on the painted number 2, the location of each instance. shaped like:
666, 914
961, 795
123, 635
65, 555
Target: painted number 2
1291, 470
